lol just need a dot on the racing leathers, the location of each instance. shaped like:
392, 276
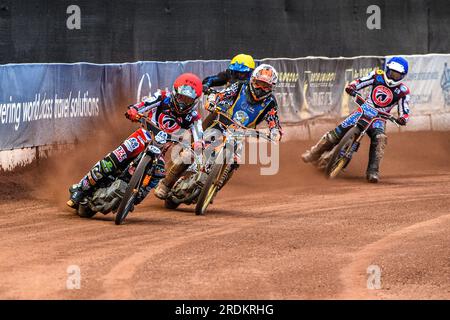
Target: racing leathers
159, 111
239, 105
237, 102
223, 78
382, 97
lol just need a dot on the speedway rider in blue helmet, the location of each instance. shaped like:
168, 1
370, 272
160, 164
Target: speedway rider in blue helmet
387, 91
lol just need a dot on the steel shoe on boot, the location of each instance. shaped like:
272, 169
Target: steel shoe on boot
161, 191
326, 143
372, 177
76, 196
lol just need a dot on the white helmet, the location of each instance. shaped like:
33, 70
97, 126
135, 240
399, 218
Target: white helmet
262, 81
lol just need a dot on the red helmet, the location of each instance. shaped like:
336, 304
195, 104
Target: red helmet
187, 88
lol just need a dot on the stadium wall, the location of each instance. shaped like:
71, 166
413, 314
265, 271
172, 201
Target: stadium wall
112, 31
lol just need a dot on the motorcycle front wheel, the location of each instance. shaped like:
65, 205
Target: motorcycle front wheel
209, 189
132, 190
340, 159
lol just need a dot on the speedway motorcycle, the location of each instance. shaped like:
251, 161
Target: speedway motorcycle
203, 180
120, 194
339, 157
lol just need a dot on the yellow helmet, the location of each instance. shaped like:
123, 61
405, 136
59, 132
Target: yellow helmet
242, 63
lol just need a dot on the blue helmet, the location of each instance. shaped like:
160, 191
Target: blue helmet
395, 70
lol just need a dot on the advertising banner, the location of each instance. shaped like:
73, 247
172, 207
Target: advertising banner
43, 104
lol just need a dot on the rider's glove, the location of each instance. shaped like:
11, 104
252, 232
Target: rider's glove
210, 105
351, 89
132, 113
275, 134
401, 121
222, 106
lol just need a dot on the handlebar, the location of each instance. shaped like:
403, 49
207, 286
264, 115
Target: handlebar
211, 91
154, 131
359, 99
248, 132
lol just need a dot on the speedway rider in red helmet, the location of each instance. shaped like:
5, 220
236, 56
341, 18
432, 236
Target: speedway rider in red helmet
170, 112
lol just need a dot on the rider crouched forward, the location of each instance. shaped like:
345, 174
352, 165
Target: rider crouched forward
248, 103
386, 91
170, 112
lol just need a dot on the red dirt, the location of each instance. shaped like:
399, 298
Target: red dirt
294, 235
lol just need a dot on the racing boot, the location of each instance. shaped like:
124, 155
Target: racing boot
80, 190
164, 186
326, 143
376, 152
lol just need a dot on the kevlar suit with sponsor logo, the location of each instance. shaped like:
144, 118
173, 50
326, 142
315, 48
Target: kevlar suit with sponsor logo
160, 112
237, 102
382, 97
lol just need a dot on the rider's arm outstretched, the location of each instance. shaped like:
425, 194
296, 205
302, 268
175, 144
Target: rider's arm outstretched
360, 83
273, 122
403, 109
146, 105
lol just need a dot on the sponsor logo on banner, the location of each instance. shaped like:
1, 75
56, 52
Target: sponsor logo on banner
288, 79
421, 97
422, 76
382, 96
144, 77
318, 90
361, 72
445, 84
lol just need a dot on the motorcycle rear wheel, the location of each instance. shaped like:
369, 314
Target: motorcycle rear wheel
170, 204
85, 212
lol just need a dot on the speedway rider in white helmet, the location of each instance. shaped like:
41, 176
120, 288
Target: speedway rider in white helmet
387, 91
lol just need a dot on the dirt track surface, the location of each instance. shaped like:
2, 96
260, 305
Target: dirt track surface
294, 235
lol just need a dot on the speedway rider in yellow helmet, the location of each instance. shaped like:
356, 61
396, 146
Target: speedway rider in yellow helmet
239, 69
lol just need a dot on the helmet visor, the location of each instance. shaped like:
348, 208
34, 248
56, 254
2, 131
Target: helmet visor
262, 85
394, 75
185, 100
183, 103
238, 75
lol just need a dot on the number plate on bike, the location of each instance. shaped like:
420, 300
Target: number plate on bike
369, 112
154, 149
